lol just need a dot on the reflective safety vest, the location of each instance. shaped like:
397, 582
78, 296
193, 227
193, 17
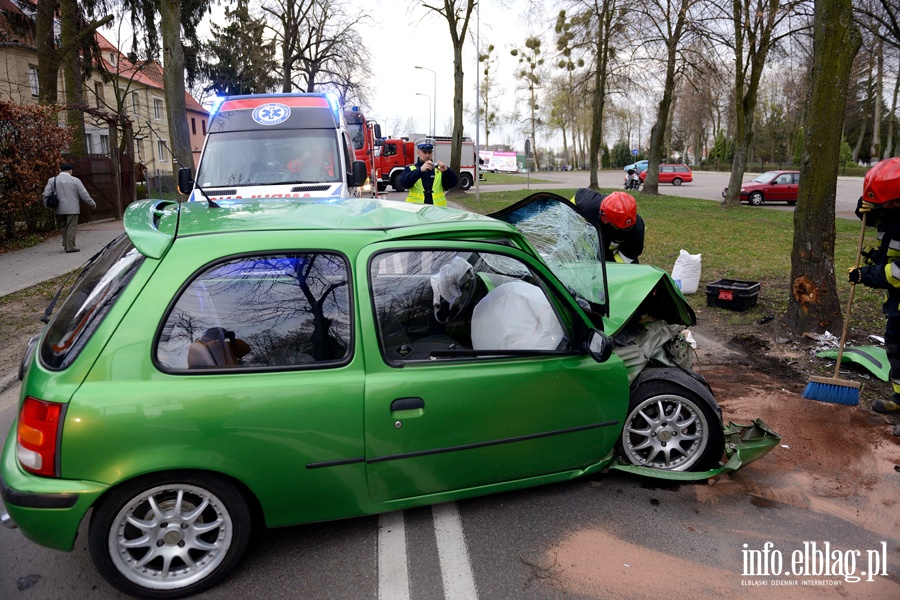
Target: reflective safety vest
417, 191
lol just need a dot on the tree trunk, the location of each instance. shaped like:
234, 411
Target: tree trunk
889, 145
457, 136
47, 54
875, 147
813, 302
71, 57
173, 76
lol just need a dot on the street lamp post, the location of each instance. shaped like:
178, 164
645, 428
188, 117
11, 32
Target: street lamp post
429, 107
434, 98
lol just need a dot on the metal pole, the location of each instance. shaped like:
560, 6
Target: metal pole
429, 108
477, 102
434, 98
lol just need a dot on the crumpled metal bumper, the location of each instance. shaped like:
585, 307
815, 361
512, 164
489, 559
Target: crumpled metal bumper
743, 445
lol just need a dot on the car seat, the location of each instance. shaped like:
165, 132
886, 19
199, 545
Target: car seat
216, 348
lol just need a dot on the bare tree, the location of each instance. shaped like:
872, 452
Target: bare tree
757, 27
813, 303
670, 24
457, 13
529, 76
488, 90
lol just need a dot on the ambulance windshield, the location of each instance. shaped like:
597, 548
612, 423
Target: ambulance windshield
269, 157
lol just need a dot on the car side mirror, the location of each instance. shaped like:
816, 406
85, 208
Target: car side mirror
359, 174
185, 180
598, 346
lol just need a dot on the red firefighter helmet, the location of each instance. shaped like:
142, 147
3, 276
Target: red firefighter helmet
619, 210
882, 182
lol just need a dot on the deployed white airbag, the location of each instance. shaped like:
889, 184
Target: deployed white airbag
515, 316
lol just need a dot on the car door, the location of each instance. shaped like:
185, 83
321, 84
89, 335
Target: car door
666, 173
474, 372
781, 187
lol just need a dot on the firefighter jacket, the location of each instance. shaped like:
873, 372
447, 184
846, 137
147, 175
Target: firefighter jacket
622, 246
427, 187
885, 272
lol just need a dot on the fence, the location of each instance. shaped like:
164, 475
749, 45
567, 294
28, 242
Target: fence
98, 175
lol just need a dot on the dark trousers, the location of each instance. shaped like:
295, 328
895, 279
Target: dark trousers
68, 224
892, 346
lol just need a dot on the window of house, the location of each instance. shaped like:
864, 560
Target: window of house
98, 93
203, 125
139, 143
33, 81
265, 312
157, 108
135, 103
161, 150
193, 126
112, 58
89, 143
104, 144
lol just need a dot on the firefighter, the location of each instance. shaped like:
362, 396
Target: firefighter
616, 217
427, 179
881, 200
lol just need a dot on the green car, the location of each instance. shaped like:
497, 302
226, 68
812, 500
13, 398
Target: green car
273, 363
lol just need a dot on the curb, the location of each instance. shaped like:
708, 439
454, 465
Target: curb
8, 381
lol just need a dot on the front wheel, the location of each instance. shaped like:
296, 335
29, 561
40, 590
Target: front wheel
672, 428
169, 536
756, 198
465, 181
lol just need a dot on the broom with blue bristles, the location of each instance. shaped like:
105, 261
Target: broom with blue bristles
834, 389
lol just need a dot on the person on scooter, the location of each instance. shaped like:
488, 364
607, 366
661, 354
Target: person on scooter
616, 217
632, 180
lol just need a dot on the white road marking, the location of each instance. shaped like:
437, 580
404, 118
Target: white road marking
456, 572
393, 574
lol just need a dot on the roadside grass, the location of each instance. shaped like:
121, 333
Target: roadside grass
743, 243
511, 179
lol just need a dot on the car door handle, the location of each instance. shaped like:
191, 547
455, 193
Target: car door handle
407, 404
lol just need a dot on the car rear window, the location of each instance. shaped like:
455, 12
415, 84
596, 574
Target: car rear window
262, 311
681, 169
93, 294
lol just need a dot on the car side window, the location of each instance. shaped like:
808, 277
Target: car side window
429, 303
795, 178
786, 178
681, 169
666, 170
264, 311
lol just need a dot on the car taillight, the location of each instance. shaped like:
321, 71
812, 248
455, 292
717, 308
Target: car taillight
38, 436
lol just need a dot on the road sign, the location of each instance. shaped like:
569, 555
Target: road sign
634, 152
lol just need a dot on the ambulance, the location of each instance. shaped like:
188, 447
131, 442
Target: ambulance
276, 146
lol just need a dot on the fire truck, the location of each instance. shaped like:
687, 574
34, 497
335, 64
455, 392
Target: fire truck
366, 138
395, 155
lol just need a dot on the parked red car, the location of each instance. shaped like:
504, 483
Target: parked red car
771, 186
674, 174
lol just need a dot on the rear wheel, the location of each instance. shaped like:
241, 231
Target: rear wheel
465, 181
169, 536
382, 186
672, 428
792, 202
676, 181
756, 198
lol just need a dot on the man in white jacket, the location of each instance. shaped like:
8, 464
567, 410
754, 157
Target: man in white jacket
69, 190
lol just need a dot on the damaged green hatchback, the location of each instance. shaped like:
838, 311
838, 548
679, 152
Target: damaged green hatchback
281, 362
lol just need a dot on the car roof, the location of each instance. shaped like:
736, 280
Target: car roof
152, 225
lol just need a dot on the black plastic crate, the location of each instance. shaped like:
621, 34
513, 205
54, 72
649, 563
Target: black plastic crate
732, 294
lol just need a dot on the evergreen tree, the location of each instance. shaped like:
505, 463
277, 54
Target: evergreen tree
238, 60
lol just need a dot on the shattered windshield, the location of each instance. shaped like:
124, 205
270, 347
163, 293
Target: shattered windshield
268, 157
567, 242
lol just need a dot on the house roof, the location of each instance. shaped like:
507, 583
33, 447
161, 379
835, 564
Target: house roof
10, 33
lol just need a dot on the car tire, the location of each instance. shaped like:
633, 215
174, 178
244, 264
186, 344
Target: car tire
792, 203
696, 444
676, 181
756, 198
169, 517
465, 181
395, 182
382, 186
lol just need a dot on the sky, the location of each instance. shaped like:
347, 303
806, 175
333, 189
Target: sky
402, 34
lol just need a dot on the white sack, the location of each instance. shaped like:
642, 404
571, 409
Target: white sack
687, 271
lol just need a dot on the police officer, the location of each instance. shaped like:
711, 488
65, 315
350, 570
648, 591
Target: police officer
427, 179
616, 217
